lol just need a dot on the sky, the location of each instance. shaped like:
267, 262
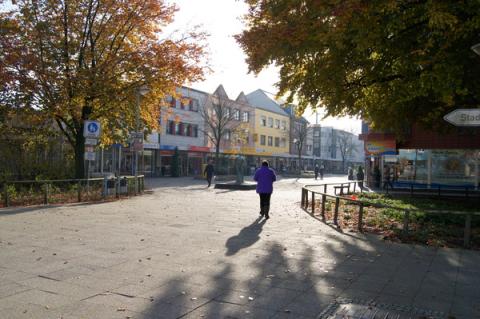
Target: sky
222, 20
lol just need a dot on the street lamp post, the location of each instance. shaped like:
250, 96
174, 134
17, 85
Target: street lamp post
140, 91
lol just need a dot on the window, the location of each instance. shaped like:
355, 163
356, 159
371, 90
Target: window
316, 133
195, 130
277, 123
188, 130
270, 141
183, 102
171, 128
263, 121
262, 139
228, 135
283, 142
227, 112
193, 105
236, 114
245, 117
277, 141
284, 125
270, 122
177, 129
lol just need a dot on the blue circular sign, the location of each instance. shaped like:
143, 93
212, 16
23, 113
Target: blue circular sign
92, 127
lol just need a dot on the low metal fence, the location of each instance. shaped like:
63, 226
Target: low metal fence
309, 197
37, 192
434, 190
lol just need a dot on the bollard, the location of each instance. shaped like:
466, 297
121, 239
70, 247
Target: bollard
313, 203
104, 193
117, 187
406, 220
360, 218
354, 187
79, 191
325, 188
468, 229
5, 194
45, 194
335, 216
324, 199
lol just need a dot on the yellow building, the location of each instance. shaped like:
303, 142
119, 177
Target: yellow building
271, 135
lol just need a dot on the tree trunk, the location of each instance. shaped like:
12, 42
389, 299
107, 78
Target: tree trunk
79, 156
217, 156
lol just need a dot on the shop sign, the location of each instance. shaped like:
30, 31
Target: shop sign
194, 148
463, 117
155, 146
167, 147
193, 154
380, 147
167, 153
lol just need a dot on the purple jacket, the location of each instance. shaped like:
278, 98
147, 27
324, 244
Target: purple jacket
265, 177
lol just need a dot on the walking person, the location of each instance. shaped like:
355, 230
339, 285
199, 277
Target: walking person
209, 170
265, 177
322, 170
360, 177
317, 170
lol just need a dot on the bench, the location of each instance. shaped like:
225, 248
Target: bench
341, 188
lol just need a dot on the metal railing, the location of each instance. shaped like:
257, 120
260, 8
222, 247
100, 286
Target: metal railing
35, 192
362, 204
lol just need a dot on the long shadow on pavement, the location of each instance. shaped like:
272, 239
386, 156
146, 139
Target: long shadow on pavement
245, 238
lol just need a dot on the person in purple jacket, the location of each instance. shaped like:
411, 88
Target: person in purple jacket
265, 177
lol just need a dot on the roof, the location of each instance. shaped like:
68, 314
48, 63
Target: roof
263, 100
290, 110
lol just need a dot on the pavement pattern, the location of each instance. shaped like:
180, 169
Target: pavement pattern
187, 251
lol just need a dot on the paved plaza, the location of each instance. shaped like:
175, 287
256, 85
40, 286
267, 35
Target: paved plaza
187, 251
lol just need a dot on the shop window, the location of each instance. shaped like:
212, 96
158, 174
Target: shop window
270, 141
262, 139
277, 141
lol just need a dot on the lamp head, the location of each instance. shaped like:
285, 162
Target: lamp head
476, 48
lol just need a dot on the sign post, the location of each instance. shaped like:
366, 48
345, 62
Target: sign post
463, 117
91, 132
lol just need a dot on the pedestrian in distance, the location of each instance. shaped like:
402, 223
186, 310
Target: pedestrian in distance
265, 177
360, 177
322, 170
317, 170
209, 170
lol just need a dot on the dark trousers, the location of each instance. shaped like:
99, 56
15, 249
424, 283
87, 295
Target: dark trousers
209, 179
316, 175
265, 203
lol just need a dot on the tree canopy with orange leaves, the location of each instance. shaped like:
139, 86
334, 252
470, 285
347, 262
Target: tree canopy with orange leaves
70, 61
392, 62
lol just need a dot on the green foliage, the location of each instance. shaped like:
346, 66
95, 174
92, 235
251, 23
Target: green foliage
408, 59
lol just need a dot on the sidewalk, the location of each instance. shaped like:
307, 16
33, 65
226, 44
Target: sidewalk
186, 251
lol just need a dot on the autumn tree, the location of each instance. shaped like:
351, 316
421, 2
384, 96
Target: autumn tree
85, 59
220, 119
392, 62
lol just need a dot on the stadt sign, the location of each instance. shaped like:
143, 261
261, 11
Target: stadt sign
463, 117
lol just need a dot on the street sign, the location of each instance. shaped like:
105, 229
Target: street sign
90, 156
89, 148
91, 141
91, 129
463, 117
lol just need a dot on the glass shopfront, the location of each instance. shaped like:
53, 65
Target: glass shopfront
439, 167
